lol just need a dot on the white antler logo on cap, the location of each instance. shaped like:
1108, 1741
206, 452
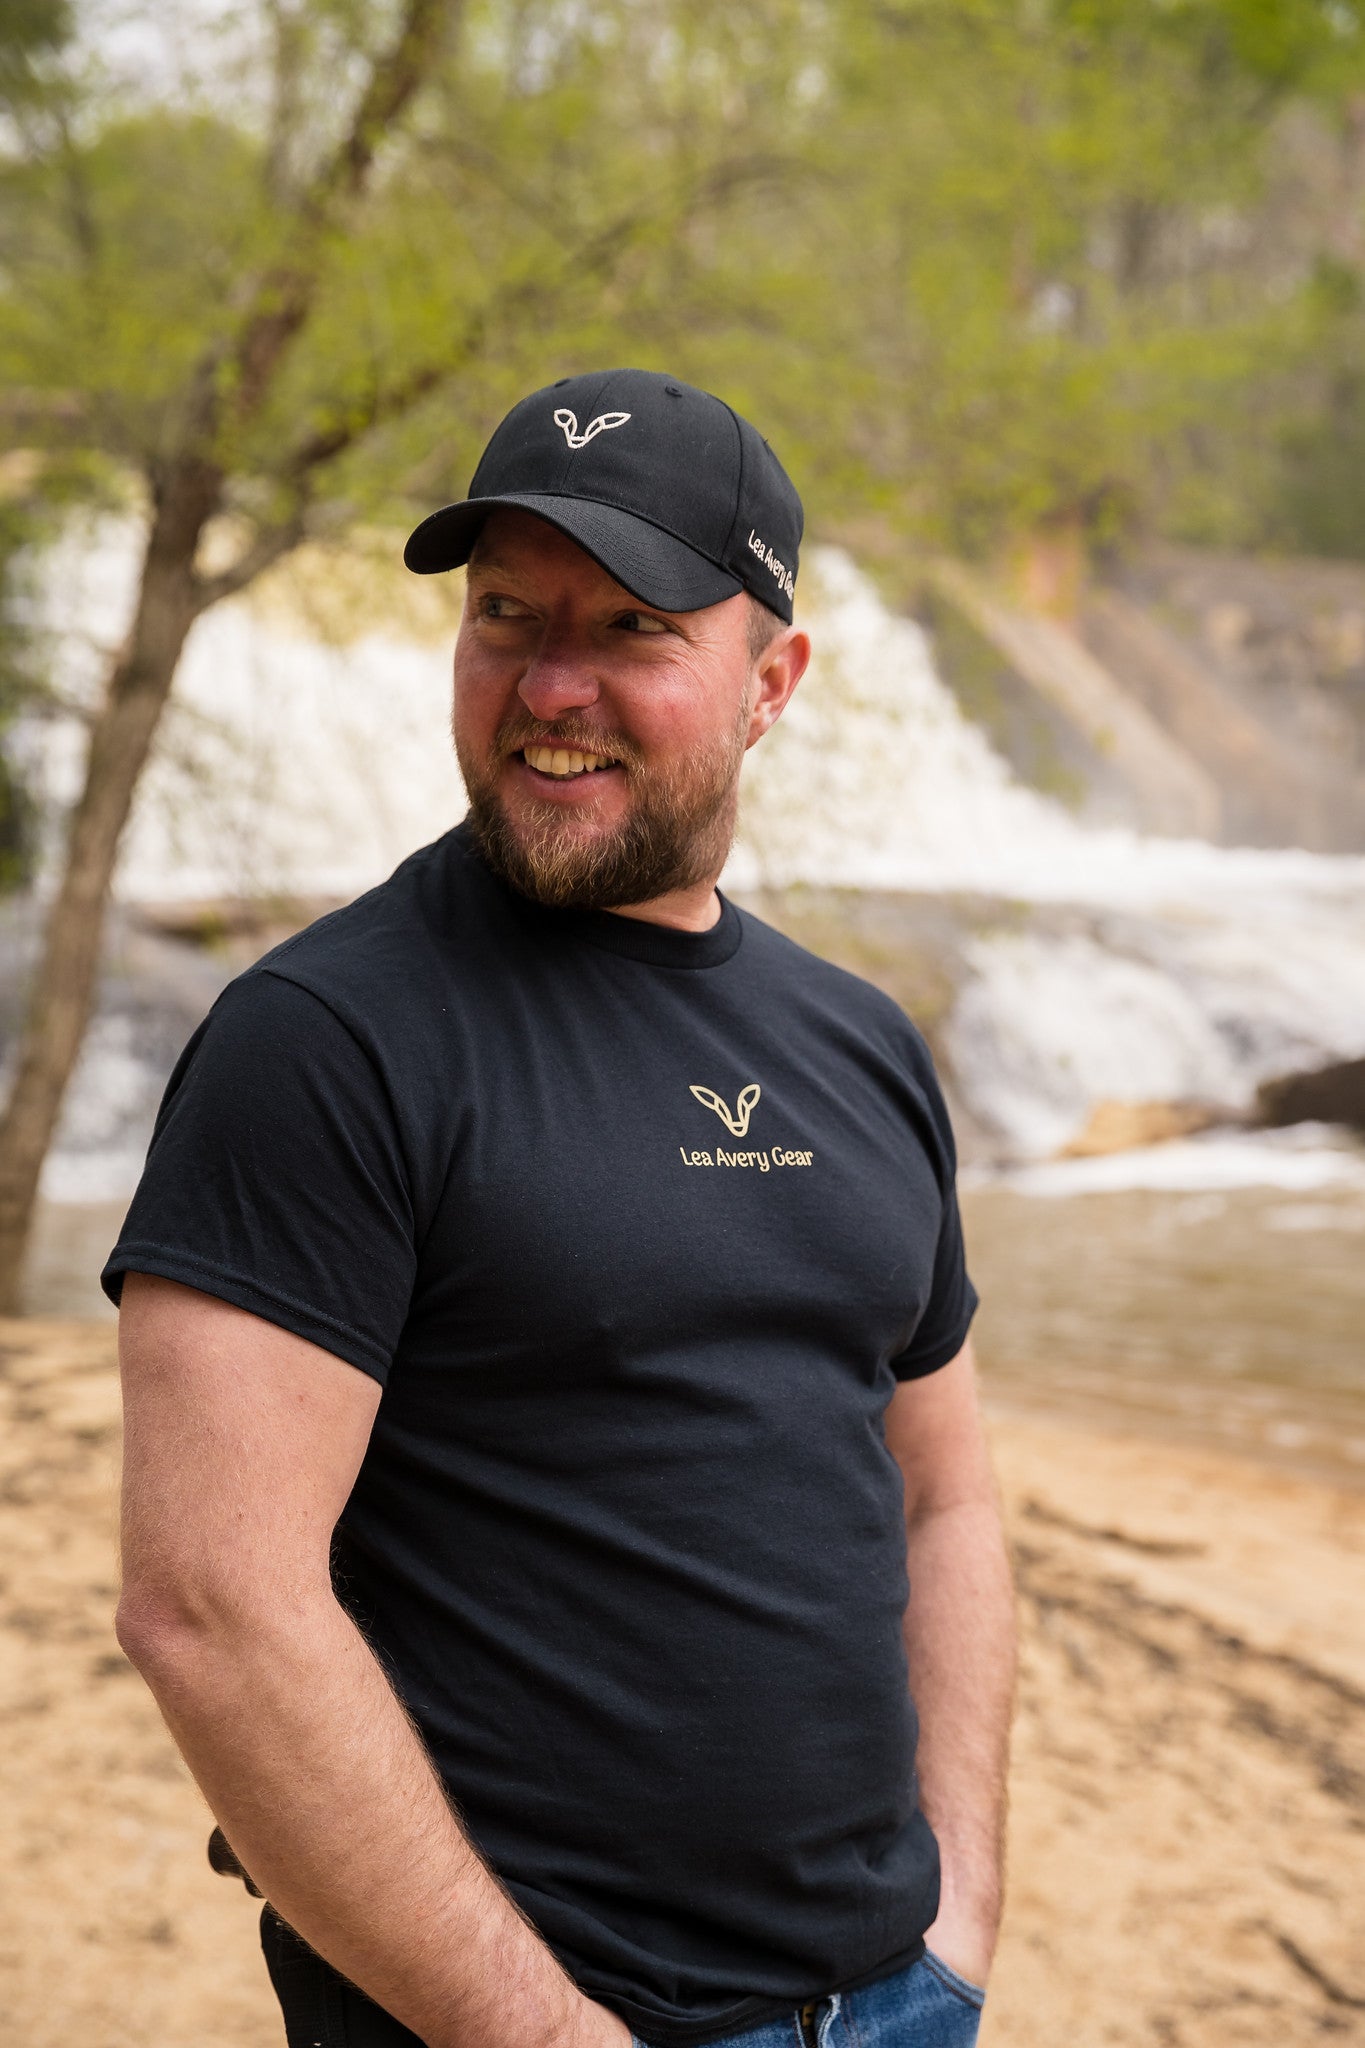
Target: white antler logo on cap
603, 424
736, 1120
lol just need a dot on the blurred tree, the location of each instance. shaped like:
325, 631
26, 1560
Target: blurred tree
32, 34
1057, 235
295, 289
1304, 488
16, 685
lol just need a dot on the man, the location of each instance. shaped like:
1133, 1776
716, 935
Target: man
544, 1328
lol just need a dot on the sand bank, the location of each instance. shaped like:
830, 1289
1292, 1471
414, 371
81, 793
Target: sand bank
1188, 1857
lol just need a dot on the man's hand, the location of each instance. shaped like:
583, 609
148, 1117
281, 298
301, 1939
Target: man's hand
966, 1944
960, 1644
242, 1443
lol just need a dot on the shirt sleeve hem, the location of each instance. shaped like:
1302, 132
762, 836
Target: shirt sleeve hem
323, 1330
917, 1365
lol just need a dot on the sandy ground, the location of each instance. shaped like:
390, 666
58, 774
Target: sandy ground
1188, 1861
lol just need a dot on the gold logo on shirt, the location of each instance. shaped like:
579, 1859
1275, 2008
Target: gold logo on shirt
736, 1120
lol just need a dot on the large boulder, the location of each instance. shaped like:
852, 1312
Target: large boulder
1332, 1094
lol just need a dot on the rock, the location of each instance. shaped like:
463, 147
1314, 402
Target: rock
1332, 1094
1119, 1126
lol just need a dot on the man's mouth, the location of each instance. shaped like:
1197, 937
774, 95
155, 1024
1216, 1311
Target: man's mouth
563, 762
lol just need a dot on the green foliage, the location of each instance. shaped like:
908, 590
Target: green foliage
976, 264
119, 304
1319, 505
32, 32
551, 202
1045, 257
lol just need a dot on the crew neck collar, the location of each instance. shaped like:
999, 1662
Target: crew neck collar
633, 938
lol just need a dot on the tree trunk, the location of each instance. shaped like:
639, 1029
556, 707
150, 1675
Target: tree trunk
63, 988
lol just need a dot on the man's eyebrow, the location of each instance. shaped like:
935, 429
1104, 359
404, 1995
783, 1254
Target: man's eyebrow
491, 561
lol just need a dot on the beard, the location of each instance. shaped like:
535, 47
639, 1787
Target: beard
676, 834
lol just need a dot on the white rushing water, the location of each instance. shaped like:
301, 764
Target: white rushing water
296, 766
285, 765
1197, 972
875, 778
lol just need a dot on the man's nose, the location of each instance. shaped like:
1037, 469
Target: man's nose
558, 678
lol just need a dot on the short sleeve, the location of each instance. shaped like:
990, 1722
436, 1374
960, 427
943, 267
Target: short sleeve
276, 1180
942, 1330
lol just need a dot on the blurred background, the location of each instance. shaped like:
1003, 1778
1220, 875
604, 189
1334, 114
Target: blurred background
1054, 309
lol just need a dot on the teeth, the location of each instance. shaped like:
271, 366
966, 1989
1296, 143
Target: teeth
564, 760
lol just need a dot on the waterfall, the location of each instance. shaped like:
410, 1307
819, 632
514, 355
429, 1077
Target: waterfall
1108, 965
1099, 964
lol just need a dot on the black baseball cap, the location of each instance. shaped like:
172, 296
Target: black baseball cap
677, 497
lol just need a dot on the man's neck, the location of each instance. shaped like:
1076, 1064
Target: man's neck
683, 910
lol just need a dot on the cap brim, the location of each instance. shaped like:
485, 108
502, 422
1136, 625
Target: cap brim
652, 565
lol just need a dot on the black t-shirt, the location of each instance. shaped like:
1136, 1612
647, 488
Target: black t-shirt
638, 1229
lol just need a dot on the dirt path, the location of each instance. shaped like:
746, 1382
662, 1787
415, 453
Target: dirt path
1189, 1794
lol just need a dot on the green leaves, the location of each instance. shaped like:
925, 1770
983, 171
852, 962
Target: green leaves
977, 263
31, 33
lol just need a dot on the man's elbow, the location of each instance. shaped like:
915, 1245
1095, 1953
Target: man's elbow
181, 1626
189, 1615
163, 1625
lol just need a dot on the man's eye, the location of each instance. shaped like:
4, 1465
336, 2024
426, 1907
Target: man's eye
640, 622
495, 607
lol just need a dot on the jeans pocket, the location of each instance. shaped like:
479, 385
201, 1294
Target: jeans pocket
971, 1994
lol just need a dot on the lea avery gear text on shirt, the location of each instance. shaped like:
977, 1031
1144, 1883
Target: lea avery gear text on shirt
627, 1535
775, 1156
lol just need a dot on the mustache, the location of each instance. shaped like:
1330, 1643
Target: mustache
515, 733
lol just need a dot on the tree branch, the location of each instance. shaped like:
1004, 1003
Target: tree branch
283, 299
392, 85
585, 259
270, 544
322, 447
83, 229
298, 467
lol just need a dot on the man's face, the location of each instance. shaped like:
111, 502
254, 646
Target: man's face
600, 739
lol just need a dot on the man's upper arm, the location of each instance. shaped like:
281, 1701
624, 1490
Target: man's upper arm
278, 1177
934, 1431
242, 1442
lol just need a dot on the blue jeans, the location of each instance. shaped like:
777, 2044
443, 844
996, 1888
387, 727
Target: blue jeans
926, 2006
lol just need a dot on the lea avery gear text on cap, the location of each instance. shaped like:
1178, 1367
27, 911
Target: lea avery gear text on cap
677, 497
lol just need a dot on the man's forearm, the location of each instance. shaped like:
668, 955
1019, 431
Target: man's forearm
960, 1642
329, 1800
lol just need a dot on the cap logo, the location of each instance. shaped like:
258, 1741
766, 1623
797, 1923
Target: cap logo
603, 424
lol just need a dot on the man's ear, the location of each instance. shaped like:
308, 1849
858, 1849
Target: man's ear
778, 670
